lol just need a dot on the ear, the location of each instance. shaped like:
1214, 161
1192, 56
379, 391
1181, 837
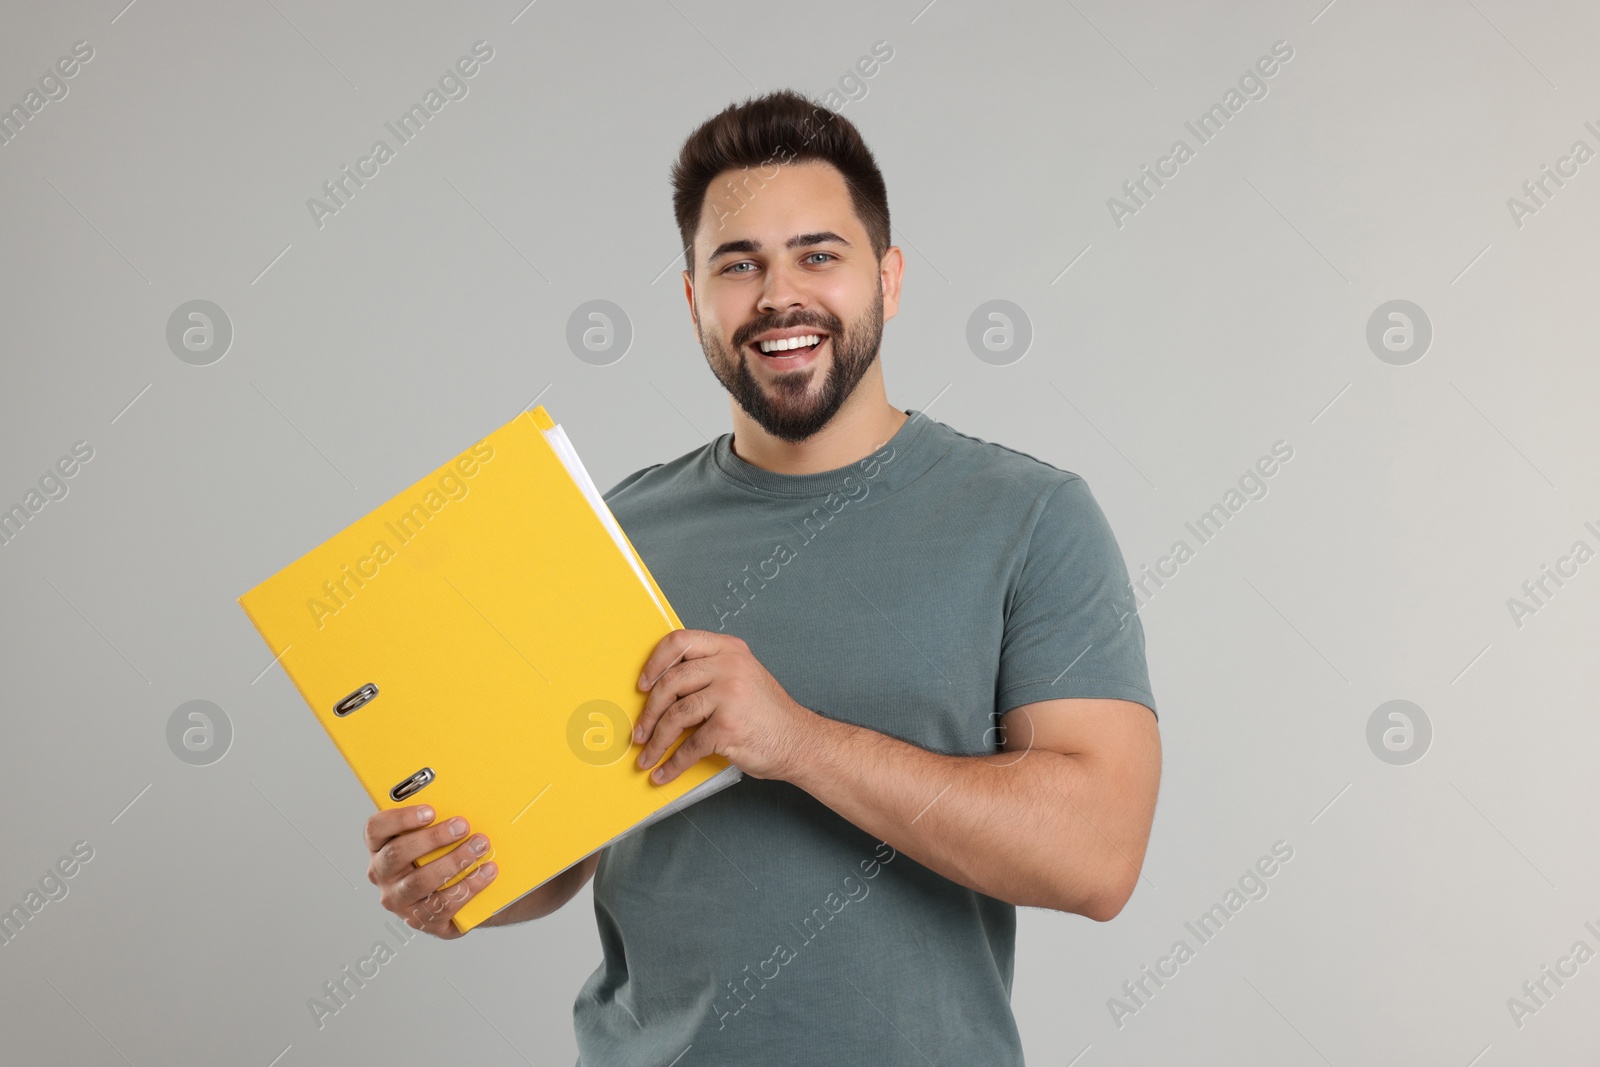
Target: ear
688, 294
890, 272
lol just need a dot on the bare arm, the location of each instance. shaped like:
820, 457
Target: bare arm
548, 897
1059, 819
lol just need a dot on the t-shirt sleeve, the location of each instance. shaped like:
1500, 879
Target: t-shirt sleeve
1071, 626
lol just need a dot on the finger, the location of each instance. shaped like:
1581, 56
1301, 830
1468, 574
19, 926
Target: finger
405, 890
690, 711
433, 914
675, 683
396, 858
392, 822
695, 747
434, 893
678, 645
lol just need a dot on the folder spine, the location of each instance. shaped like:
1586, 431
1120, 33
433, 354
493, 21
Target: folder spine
375, 792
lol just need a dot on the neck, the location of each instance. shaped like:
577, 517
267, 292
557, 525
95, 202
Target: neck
861, 426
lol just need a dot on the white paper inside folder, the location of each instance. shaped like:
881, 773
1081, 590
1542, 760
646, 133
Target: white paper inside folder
569, 457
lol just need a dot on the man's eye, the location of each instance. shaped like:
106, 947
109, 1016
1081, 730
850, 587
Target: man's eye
830, 255
741, 263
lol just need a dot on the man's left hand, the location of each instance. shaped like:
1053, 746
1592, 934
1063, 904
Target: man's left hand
714, 683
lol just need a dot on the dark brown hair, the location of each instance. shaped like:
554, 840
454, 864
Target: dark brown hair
779, 128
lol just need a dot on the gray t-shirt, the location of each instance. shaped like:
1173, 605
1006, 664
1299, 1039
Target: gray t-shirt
920, 592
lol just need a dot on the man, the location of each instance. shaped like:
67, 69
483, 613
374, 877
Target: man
918, 646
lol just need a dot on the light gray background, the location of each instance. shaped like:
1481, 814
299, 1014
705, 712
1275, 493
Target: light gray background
1229, 313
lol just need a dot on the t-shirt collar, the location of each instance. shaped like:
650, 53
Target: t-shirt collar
909, 452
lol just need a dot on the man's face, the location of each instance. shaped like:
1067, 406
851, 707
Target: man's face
785, 253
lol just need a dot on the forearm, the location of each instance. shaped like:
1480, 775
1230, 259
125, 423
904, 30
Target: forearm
548, 897
1017, 826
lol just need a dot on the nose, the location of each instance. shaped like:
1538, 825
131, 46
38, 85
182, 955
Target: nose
783, 290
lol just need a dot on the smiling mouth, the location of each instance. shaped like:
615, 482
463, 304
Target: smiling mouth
790, 356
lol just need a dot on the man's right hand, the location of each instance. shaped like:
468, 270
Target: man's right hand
395, 838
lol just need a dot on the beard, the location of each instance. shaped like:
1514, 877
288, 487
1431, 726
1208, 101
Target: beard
788, 411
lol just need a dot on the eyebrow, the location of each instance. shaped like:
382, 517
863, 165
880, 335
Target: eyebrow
801, 240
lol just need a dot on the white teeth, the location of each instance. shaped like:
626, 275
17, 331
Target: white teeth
788, 343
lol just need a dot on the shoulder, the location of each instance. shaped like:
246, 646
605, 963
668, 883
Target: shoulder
995, 470
621, 487
661, 477
1049, 510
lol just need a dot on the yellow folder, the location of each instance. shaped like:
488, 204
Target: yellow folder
474, 644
